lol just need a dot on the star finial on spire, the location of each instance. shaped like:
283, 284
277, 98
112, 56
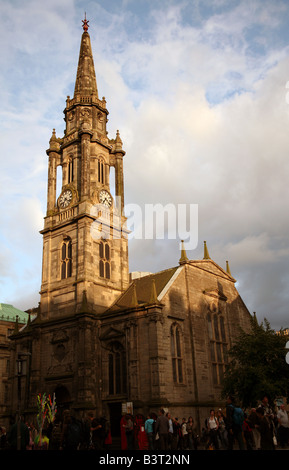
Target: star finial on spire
85, 24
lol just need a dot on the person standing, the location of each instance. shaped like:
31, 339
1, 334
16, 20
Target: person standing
129, 432
191, 429
268, 413
254, 422
222, 431
184, 437
18, 435
234, 424
283, 420
213, 425
248, 434
176, 434
149, 429
171, 431
162, 428
266, 430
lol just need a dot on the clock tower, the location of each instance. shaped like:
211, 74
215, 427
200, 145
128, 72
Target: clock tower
85, 253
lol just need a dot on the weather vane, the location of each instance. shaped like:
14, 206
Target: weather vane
85, 24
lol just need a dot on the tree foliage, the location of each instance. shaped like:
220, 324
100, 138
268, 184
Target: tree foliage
257, 365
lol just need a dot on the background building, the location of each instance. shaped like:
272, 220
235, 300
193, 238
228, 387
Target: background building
11, 321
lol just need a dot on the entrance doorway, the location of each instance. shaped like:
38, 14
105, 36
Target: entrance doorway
63, 399
115, 417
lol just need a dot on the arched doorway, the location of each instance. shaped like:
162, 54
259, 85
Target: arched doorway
63, 399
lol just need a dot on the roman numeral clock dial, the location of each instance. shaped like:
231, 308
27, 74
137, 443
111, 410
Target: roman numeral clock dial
105, 198
65, 199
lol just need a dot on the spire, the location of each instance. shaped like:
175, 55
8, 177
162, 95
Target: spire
183, 257
206, 252
228, 268
85, 84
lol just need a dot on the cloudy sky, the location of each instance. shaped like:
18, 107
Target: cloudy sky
198, 90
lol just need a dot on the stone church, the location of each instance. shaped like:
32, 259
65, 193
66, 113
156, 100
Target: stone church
102, 339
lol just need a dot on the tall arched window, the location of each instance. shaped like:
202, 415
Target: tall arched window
117, 379
176, 350
104, 259
218, 346
66, 258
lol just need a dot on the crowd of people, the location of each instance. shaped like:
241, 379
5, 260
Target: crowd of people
261, 428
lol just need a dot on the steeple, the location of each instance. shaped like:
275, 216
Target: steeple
85, 84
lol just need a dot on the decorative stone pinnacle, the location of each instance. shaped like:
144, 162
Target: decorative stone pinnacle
183, 258
118, 141
206, 252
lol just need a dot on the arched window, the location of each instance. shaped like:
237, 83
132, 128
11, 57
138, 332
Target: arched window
117, 378
218, 346
176, 350
104, 259
66, 258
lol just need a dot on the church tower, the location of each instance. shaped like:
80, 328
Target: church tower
98, 341
85, 253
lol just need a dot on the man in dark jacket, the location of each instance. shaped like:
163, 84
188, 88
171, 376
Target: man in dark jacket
162, 428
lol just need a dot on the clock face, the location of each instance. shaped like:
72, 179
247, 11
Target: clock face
105, 198
65, 198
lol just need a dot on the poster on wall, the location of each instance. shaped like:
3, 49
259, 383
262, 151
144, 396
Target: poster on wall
127, 408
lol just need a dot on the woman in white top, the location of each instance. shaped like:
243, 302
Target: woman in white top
212, 425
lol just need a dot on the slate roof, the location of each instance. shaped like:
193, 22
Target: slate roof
143, 290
